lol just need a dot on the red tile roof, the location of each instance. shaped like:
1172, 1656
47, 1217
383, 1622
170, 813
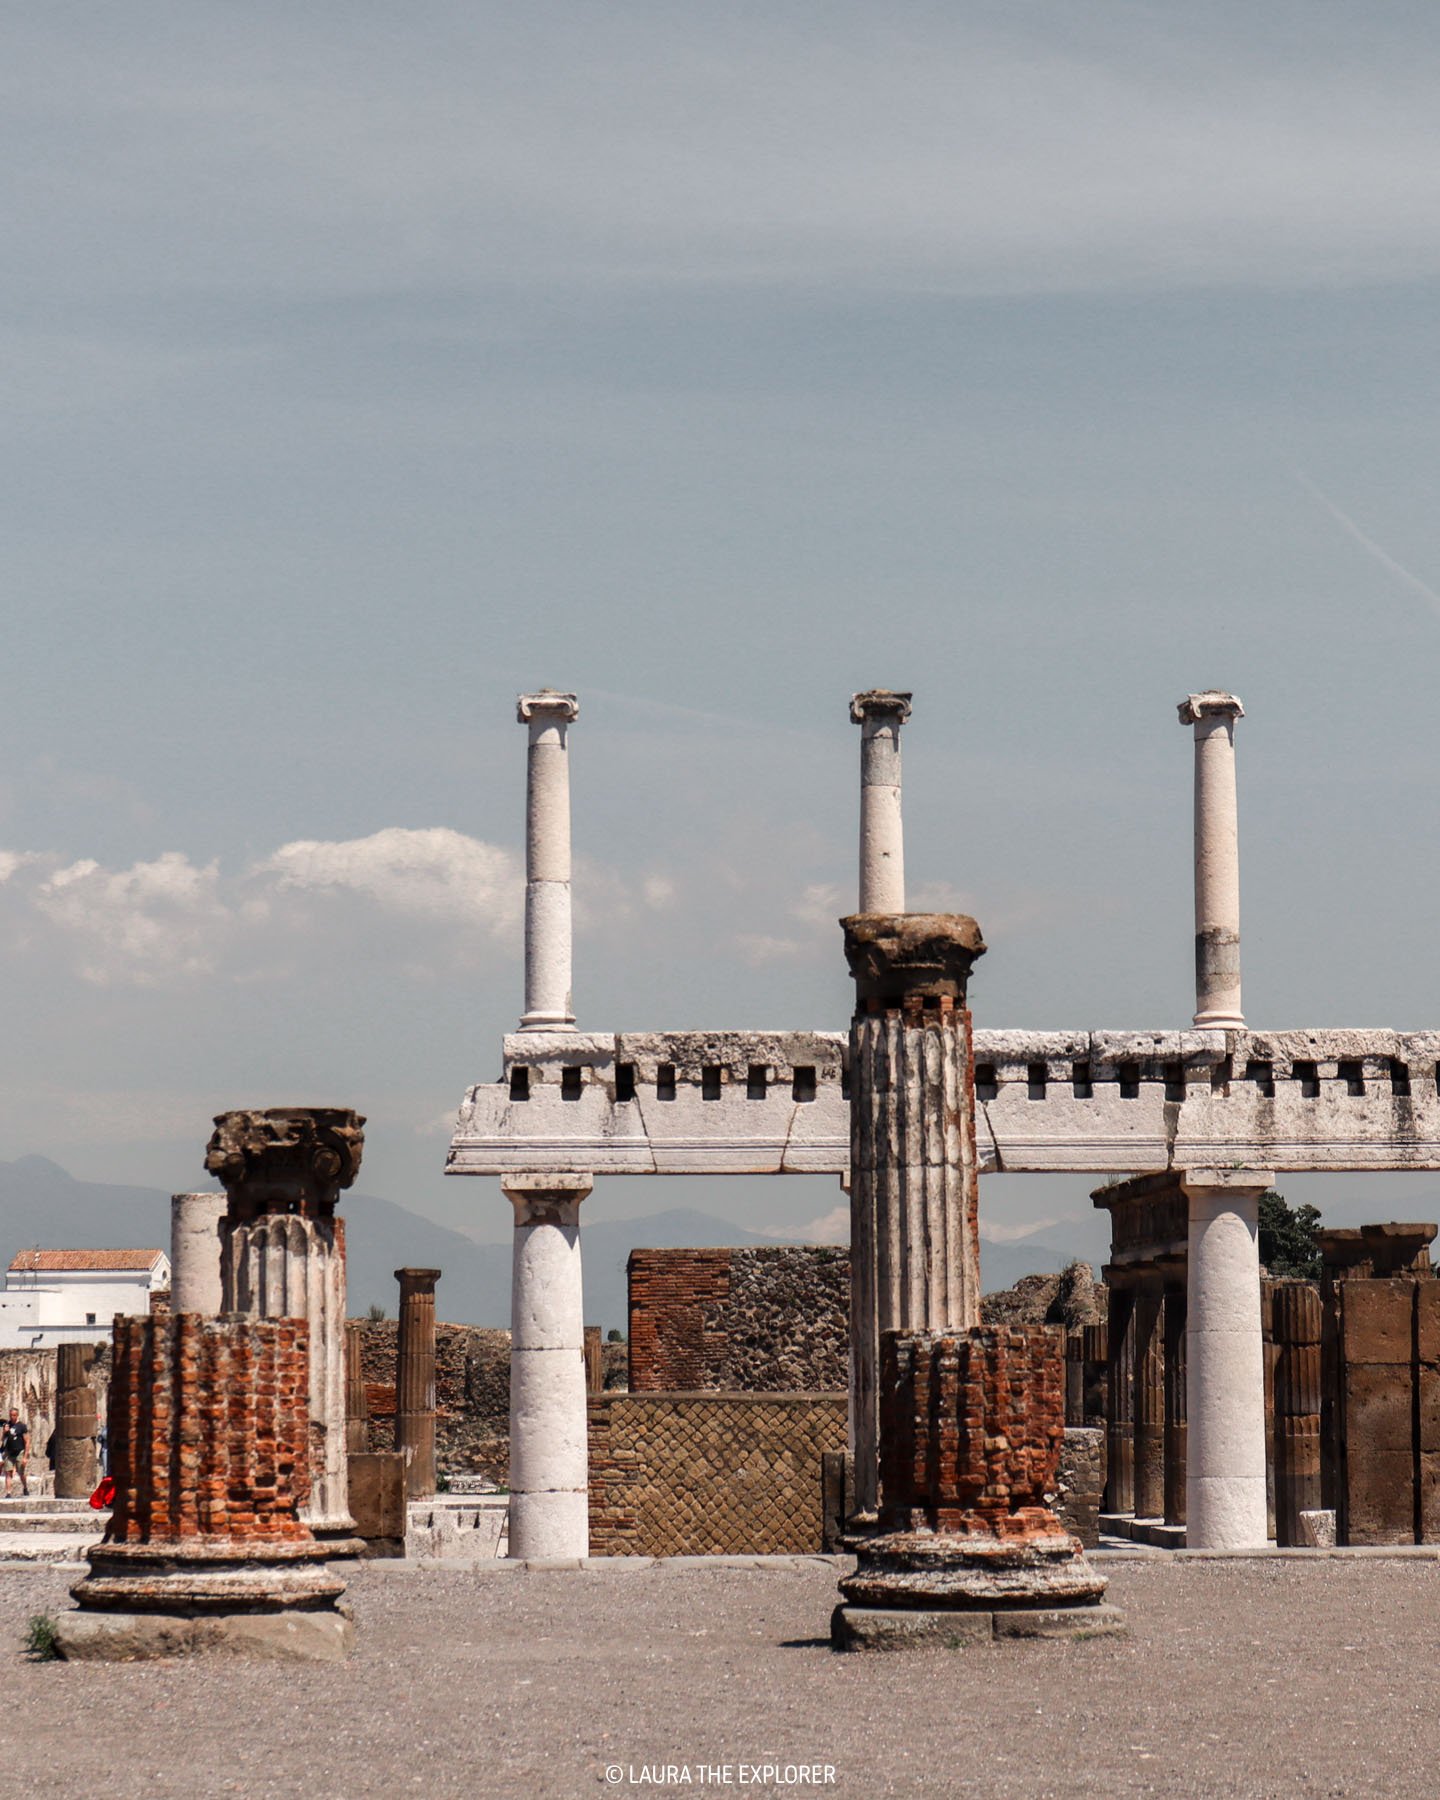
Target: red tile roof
53, 1261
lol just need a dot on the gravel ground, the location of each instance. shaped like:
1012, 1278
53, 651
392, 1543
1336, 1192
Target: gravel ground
1238, 1678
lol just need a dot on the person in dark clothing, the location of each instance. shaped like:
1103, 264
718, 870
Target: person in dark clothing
15, 1451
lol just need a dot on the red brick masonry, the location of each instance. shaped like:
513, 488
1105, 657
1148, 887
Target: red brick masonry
209, 1422
971, 1429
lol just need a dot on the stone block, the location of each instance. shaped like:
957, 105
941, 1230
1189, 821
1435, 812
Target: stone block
1429, 1497
1075, 1622
1378, 1410
143, 1637
901, 1628
377, 1496
1381, 1500
1427, 1321
1377, 1321
1317, 1529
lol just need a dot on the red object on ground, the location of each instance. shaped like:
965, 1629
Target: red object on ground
103, 1494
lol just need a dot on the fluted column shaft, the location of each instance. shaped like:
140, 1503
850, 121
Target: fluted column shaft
357, 1401
75, 1422
1149, 1402
914, 1176
415, 1380
284, 1266
1119, 1401
1175, 1416
1297, 1406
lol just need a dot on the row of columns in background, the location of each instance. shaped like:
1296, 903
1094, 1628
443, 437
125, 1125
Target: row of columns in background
899, 1284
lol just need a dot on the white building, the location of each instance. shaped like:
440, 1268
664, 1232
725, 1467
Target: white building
64, 1296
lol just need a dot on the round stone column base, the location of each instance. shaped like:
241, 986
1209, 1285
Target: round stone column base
187, 1578
141, 1637
947, 1571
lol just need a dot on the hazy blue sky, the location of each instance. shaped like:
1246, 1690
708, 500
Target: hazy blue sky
364, 365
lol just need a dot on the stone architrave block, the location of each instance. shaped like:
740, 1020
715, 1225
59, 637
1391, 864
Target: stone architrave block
1377, 1321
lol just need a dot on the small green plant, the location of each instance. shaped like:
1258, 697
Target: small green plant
376, 1312
442, 1483
614, 1336
40, 1638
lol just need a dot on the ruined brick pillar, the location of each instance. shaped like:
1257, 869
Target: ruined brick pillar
357, 1401
970, 1430
1296, 1327
283, 1257
1175, 1428
76, 1464
914, 1177
209, 1422
1119, 1397
1148, 1384
415, 1380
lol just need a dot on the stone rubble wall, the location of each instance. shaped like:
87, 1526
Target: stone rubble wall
752, 1320
472, 1394
712, 1474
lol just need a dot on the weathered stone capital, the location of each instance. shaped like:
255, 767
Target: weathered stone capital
546, 1199
899, 956
549, 703
286, 1159
880, 703
417, 1281
1210, 705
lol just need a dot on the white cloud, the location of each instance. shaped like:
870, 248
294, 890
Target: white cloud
433, 874
831, 1227
142, 925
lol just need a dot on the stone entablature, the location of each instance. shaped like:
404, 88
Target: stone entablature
777, 1102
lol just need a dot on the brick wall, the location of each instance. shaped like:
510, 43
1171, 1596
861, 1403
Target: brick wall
742, 1320
210, 1424
684, 1474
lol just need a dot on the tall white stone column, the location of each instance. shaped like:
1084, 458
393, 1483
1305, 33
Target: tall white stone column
548, 1005
1225, 1371
1217, 860
549, 1454
195, 1221
880, 714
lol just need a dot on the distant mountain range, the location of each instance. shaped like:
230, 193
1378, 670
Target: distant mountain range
41, 1204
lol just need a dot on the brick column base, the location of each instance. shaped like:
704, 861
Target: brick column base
970, 1430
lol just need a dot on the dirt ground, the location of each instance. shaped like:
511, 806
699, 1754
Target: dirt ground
1238, 1678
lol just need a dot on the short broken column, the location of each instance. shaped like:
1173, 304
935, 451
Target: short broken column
283, 1256
196, 1221
967, 1549
1225, 1376
415, 1380
206, 1548
880, 714
357, 1400
1217, 860
549, 1456
914, 1174
1297, 1406
76, 1425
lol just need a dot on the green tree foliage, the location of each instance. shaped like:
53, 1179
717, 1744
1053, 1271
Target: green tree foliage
1289, 1245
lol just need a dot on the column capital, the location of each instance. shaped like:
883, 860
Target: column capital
1233, 1181
417, 1281
549, 1199
1213, 704
895, 957
285, 1159
880, 703
548, 703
